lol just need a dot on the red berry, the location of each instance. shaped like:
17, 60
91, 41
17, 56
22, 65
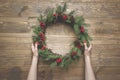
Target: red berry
82, 29
42, 37
74, 53
55, 15
43, 48
41, 34
65, 17
42, 25
78, 46
58, 60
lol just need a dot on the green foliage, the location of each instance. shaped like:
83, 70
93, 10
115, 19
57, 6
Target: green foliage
71, 13
52, 57
50, 16
79, 52
66, 62
79, 20
53, 64
68, 21
76, 29
41, 18
64, 7
61, 9
37, 30
35, 38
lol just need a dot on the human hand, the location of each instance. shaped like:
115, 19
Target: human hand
87, 49
35, 49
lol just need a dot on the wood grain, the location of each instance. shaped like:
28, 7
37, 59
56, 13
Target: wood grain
91, 10
17, 18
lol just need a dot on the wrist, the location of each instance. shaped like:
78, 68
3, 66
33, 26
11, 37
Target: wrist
87, 54
35, 56
87, 58
35, 59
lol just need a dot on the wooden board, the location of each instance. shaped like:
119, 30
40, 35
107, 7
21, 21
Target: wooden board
17, 18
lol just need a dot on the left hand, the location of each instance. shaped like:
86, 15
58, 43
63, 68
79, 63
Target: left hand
35, 49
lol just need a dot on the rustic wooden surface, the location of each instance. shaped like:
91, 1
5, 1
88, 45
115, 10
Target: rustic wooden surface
17, 18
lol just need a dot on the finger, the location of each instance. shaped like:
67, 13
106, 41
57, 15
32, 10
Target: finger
85, 45
90, 47
32, 47
36, 44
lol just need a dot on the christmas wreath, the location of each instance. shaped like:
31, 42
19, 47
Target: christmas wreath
78, 24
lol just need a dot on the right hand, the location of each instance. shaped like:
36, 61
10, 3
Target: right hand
87, 49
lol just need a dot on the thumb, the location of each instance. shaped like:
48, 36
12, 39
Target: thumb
36, 44
85, 45
32, 47
90, 47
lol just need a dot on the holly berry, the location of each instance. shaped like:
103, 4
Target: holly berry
74, 53
42, 25
78, 46
43, 48
54, 14
42, 37
72, 19
65, 17
58, 60
82, 30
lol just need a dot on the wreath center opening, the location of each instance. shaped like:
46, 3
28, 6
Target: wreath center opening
59, 38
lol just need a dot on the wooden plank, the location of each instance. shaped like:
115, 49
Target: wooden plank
108, 70
106, 50
15, 46
97, 1
95, 9
14, 19
101, 74
68, 1
108, 77
106, 41
105, 28
16, 8
74, 72
110, 61
96, 61
15, 40
16, 35
74, 78
23, 1
107, 10
14, 27
16, 52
